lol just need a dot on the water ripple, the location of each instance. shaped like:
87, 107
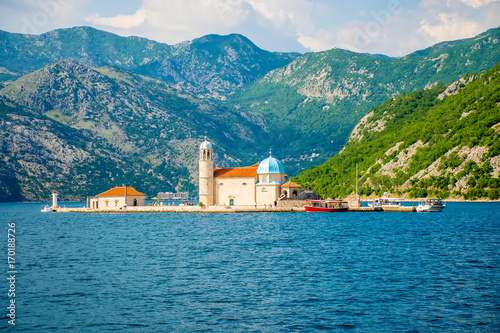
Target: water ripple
258, 272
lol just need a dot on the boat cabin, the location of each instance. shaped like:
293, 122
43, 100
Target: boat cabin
326, 206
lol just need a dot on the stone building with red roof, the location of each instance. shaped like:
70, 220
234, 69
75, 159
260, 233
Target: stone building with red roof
117, 198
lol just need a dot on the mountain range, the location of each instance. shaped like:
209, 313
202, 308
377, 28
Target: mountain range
443, 141
212, 65
317, 99
134, 125
86, 110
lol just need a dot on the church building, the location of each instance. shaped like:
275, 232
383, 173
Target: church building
261, 183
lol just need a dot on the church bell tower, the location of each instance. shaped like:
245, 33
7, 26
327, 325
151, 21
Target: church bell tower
206, 180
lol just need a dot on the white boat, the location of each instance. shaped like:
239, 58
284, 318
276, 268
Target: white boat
329, 206
430, 205
386, 203
47, 209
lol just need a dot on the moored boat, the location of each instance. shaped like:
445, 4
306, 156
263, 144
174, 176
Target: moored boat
328, 206
431, 205
47, 209
387, 204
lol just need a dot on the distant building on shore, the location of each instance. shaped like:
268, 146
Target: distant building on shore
263, 183
173, 196
116, 198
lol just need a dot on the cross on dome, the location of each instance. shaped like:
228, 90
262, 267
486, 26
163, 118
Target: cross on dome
206, 144
270, 165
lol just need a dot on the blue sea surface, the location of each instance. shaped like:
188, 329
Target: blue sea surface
263, 272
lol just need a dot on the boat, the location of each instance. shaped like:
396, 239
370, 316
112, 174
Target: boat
430, 205
387, 203
47, 209
330, 206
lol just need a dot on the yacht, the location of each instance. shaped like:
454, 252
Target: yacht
328, 206
430, 205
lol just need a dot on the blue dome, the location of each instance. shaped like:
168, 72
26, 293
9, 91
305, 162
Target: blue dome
206, 145
270, 165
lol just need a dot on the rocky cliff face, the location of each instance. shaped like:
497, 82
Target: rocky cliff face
38, 154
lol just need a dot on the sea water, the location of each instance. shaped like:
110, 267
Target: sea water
270, 272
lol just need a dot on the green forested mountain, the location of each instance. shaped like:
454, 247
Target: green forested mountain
103, 126
316, 100
211, 65
440, 142
140, 108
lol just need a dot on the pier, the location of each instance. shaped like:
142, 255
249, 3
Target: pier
185, 209
383, 209
220, 209
365, 209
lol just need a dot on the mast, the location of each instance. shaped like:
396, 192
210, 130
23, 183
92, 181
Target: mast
356, 179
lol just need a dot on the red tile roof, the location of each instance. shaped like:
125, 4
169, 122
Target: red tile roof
120, 191
291, 184
250, 171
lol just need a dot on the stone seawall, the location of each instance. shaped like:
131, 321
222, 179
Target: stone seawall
291, 203
186, 209
285, 206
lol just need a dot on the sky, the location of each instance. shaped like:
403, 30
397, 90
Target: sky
391, 27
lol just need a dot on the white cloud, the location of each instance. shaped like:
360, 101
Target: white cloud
320, 41
273, 12
179, 17
277, 25
302, 19
478, 3
270, 24
120, 21
450, 27
174, 21
36, 17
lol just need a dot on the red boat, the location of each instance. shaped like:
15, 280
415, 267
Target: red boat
328, 206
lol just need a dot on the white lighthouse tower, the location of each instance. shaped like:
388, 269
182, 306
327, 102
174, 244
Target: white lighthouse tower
54, 199
206, 190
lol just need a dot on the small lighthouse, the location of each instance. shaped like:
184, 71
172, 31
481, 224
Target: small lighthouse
54, 199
